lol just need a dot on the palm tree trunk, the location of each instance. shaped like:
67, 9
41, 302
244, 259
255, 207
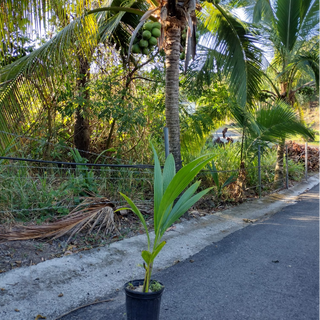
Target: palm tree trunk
278, 176
47, 148
82, 129
172, 90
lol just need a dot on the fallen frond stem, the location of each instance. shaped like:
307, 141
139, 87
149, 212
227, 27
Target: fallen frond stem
88, 215
86, 305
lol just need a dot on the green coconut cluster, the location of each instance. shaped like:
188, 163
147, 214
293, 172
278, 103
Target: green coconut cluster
147, 40
184, 40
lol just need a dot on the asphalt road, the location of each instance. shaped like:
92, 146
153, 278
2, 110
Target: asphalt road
269, 270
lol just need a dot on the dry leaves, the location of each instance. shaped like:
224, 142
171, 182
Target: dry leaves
296, 152
249, 220
92, 213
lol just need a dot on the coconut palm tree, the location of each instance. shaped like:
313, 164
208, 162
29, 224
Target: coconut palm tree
114, 21
291, 28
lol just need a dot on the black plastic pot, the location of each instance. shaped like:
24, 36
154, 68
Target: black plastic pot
142, 305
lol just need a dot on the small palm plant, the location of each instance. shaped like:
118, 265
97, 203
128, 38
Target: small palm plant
168, 185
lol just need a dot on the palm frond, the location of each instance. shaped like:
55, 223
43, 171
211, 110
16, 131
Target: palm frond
271, 123
79, 33
245, 121
23, 82
262, 10
232, 42
16, 16
309, 19
288, 15
279, 121
307, 61
88, 215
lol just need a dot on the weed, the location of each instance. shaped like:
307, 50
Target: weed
155, 286
39, 246
131, 286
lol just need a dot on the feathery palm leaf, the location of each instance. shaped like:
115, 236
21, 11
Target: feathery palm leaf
271, 123
307, 61
280, 121
261, 10
35, 14
287, 15
232, 42
27, 79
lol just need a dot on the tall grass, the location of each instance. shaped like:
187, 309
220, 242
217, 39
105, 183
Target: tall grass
31, 193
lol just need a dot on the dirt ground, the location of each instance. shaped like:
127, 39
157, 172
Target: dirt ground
15, 254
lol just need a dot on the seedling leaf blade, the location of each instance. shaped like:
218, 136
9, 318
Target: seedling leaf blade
158, 189
158, 249
138, 213
146, 256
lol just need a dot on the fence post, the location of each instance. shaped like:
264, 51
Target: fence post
166, 141
259, 169
306, 160
287, 169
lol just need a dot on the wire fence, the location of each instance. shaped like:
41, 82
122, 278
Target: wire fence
42, 189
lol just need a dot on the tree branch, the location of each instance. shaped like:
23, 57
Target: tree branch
308, 84
143, 78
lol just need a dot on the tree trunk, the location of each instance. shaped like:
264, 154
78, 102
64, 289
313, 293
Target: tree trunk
47, 149
278, 176
81, 133
82, 129
172, 88
241, 182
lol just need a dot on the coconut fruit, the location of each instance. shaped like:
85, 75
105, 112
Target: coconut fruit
156, 32
136, 48
153, 41
156, 25
143, 43
145, 51
148, 26
146, 35
182, 56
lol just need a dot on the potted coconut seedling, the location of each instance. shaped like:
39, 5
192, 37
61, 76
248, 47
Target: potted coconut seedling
143, 296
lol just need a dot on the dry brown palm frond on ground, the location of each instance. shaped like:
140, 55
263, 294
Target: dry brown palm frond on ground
92, 213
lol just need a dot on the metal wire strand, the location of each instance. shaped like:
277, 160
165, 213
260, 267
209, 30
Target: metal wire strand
120, 203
